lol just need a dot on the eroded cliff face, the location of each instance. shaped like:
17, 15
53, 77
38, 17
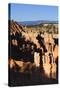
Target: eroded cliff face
25, 40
